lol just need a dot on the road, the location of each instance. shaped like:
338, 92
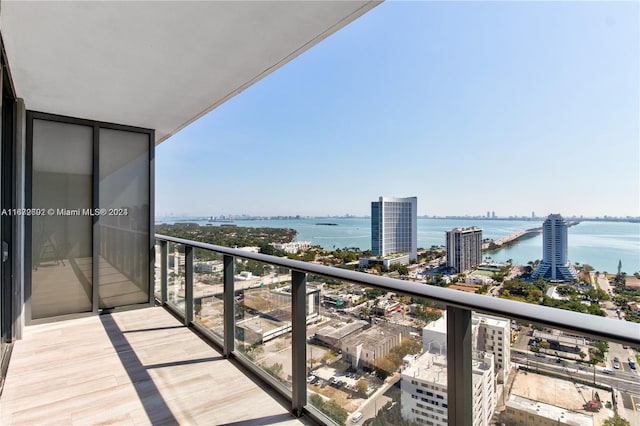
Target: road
625, 381
615, 349
376, 401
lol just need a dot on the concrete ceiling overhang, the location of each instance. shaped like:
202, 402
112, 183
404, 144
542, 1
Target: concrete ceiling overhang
158, 65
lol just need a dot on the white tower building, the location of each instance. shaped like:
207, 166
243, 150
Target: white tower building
555, 265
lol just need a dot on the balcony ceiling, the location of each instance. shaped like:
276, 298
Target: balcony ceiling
158, 65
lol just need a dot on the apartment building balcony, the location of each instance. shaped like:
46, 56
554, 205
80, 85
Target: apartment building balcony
102, 321
134, 367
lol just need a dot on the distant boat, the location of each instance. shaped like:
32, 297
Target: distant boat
326, 224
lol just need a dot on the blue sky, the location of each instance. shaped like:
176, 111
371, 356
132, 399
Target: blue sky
511, 107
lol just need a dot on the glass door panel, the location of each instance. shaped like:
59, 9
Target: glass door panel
62, 164
123, 261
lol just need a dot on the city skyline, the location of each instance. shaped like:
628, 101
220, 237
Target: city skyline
471, 107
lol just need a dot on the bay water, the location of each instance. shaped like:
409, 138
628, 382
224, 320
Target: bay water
600, 244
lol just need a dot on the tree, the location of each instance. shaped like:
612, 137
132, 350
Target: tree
256, 268
275, 370
616, 421
602, 346
361, 387
329, 357
316, 400
335, 411
330, 408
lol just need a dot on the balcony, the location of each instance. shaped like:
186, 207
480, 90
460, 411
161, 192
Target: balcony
134, 367
270, 337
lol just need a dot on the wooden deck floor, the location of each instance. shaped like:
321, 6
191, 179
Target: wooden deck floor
136, 367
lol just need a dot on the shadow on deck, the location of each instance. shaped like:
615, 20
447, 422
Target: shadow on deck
133, 367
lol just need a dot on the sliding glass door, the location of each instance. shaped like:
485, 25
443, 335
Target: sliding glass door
91, 234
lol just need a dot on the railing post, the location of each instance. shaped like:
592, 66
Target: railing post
299, 341
164, 270
188, 285
229, 307
459, 373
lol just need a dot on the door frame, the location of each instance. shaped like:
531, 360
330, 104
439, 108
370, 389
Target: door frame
96, 125
8, 222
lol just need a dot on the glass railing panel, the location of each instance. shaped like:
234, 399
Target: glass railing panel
263, 317
176, 276
208, 289
369, 360
157, 276
549, 375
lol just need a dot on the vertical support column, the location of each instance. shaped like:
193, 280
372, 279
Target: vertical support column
459, 374
152, 215
188, 285
164, 270
299, 341
19, 262
229, 307
95, 221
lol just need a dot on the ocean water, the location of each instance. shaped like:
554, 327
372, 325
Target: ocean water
600, 244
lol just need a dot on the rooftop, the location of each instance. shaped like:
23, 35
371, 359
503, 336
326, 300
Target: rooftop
557, 394
432, 367
340, 330
492, 321
549, 411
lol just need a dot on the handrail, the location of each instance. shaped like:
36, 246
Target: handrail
584, 324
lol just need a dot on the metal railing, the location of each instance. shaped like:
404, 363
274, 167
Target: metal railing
459, 309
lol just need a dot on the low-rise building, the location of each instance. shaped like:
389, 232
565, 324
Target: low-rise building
293, 246
364, 348
332, 335
525, 411
208, 267
478, 279
538, 399
386, 307
384, 261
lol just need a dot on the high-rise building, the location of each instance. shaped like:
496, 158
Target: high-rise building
394, 226
424, 389
488, 334
464, 248
555, 265
494, 336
